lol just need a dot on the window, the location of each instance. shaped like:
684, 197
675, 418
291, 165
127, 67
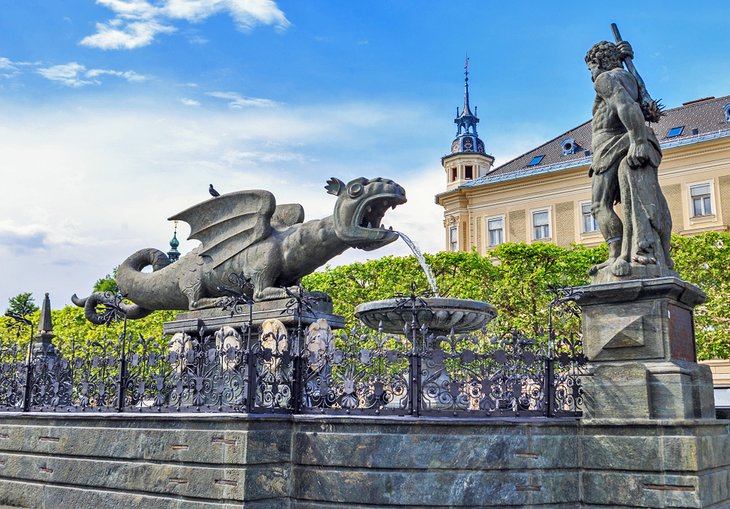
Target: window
675, 131
453, 238
588, 222
453, 174
540, 224
468, 172
495, 231
535, 160
726, 109
569, 146
701, 196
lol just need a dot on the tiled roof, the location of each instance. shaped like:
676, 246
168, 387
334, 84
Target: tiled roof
704, 115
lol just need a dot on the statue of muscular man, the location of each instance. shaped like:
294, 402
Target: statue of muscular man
626, 155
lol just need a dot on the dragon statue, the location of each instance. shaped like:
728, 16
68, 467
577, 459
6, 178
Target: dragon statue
246, 232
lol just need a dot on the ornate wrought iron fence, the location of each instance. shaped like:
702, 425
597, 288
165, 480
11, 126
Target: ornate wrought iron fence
272, 369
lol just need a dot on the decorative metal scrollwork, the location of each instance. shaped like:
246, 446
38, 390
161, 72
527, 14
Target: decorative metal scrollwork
302, 368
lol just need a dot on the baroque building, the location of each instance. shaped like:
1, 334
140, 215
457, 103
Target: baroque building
544, 194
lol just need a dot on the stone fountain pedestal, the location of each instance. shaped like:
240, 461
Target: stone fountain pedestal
639, 339
284, 310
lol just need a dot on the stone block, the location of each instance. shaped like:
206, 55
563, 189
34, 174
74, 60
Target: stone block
680, 390
621, 489
20, 494
435, 488
71, 497
616, 391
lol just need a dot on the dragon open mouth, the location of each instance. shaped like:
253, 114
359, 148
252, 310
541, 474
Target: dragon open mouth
373, 211
370, 231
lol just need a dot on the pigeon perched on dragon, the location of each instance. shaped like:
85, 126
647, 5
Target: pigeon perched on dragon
247, 232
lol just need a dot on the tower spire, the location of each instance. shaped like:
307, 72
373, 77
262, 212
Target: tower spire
467, 139
467, 110
173, 254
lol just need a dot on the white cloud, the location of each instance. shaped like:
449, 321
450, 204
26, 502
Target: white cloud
76, 75
127, 75
236, 101
70, 74
6, 63
189, 102
274, 155
138, 22
125, 35
197, 39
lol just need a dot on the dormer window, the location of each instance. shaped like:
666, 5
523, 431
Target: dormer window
726, 109
675, 131
536, 160
569, 146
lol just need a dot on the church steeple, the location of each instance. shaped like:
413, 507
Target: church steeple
467, 139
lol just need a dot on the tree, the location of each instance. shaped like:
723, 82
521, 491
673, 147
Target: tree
703, 260
514, 277
22, 304
108, 283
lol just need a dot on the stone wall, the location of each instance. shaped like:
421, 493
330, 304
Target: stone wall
313, 462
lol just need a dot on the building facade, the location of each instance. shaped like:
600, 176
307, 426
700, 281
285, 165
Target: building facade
544, 195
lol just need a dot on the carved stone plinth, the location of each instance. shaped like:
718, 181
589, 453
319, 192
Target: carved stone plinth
639, 339
285, 310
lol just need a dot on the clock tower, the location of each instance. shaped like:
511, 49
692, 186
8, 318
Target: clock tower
467, 162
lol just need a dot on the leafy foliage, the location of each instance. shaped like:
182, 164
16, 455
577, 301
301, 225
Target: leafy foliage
108, 283
73, 331
22, 304
705, 261
514, 277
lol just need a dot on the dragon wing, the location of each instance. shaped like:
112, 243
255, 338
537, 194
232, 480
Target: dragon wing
230, 223
287, 214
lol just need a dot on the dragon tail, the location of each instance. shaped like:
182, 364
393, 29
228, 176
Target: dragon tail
129, 276
95, 315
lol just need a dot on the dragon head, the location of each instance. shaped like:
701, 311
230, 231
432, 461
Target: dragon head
361, 205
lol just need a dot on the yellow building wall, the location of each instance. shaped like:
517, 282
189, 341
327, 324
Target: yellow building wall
562, 193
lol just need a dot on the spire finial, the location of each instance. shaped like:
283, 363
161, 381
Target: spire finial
467, 110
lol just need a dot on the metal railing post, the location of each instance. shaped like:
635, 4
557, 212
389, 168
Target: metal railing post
122, 389
28, 374
250, 364
549, 387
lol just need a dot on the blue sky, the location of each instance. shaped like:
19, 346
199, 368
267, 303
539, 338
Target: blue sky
116, 114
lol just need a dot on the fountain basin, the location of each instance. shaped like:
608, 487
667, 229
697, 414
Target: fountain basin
439, 314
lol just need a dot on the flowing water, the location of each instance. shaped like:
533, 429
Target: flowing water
424, 264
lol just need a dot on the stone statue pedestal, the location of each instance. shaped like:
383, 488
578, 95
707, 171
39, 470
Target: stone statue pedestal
285, 310
639, 339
